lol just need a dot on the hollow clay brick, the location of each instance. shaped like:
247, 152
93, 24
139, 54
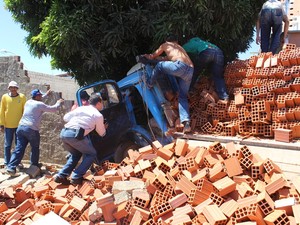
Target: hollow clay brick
224, 186
233, 166
214, 215
285, 204
3, 207
178, 200
216, 172
244, 190
296, 212
165, 153
78, 203
229, 207
277, 217
276, 184
146, 149
181, 147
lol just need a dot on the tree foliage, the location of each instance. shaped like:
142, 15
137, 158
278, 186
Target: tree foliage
96, 39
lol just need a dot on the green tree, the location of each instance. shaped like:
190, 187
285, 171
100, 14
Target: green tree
96, 39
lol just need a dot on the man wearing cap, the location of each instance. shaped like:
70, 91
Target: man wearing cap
12, 108
28, 130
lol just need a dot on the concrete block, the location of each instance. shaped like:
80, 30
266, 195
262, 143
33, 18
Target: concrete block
33, 171
127, 186
49, 219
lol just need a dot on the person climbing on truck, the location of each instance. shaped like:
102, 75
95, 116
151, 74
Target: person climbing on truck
208, 55
178, 64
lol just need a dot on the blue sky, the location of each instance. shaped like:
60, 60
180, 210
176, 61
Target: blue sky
12, 42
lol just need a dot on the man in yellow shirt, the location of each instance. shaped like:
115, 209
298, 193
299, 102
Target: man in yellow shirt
12, 108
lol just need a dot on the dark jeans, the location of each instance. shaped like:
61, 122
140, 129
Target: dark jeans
77, 149
9, 135
213, 60
25, 135
270, 20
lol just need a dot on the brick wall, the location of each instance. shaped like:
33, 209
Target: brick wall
51, 150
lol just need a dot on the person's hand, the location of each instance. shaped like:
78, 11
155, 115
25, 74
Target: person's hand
149, 56
60, 100
106, 125
49, 92
2, 129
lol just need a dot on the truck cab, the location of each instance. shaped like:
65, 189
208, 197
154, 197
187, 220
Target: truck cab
136, 115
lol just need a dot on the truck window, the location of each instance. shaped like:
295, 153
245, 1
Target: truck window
108, 93
112, 94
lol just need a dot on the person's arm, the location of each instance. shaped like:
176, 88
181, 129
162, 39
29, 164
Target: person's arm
52, 108
2, 114
24, 99
286, 25
100, 127
47, 93
69, 115
258, 31
157, 53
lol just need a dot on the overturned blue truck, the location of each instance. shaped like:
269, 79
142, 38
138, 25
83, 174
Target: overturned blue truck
136, 114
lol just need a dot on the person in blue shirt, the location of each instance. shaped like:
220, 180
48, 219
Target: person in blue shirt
208, 55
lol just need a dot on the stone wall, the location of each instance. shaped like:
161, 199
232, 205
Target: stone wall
51, 150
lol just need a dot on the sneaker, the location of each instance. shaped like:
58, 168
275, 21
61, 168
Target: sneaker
61, 180
11, 172
77, 181
20, 166
187, 127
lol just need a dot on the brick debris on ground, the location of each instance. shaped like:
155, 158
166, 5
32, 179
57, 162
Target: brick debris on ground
173, 184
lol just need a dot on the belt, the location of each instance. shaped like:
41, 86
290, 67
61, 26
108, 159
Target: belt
70, 129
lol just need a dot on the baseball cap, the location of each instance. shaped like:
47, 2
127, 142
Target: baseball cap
35, 92
13, 84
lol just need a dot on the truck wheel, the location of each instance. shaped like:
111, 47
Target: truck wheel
122, 150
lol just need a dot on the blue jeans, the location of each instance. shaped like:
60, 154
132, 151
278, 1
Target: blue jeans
213, 59
25, 135
9, 134
270, 19
183, 74
76, 148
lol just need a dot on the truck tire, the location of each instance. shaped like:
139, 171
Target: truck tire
122, 150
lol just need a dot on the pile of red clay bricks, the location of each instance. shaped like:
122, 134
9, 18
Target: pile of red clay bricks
266, 90
175, 184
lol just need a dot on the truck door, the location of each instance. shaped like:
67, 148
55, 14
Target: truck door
115, 114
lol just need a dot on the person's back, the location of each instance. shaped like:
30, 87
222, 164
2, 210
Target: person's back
175, 52
270, 19
177, 64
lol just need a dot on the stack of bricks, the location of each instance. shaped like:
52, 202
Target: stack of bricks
266, 91
176, 184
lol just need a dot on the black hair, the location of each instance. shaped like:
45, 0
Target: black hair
94, 99
84, 95
172, 38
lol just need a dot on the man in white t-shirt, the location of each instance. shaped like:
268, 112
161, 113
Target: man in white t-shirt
270, 18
